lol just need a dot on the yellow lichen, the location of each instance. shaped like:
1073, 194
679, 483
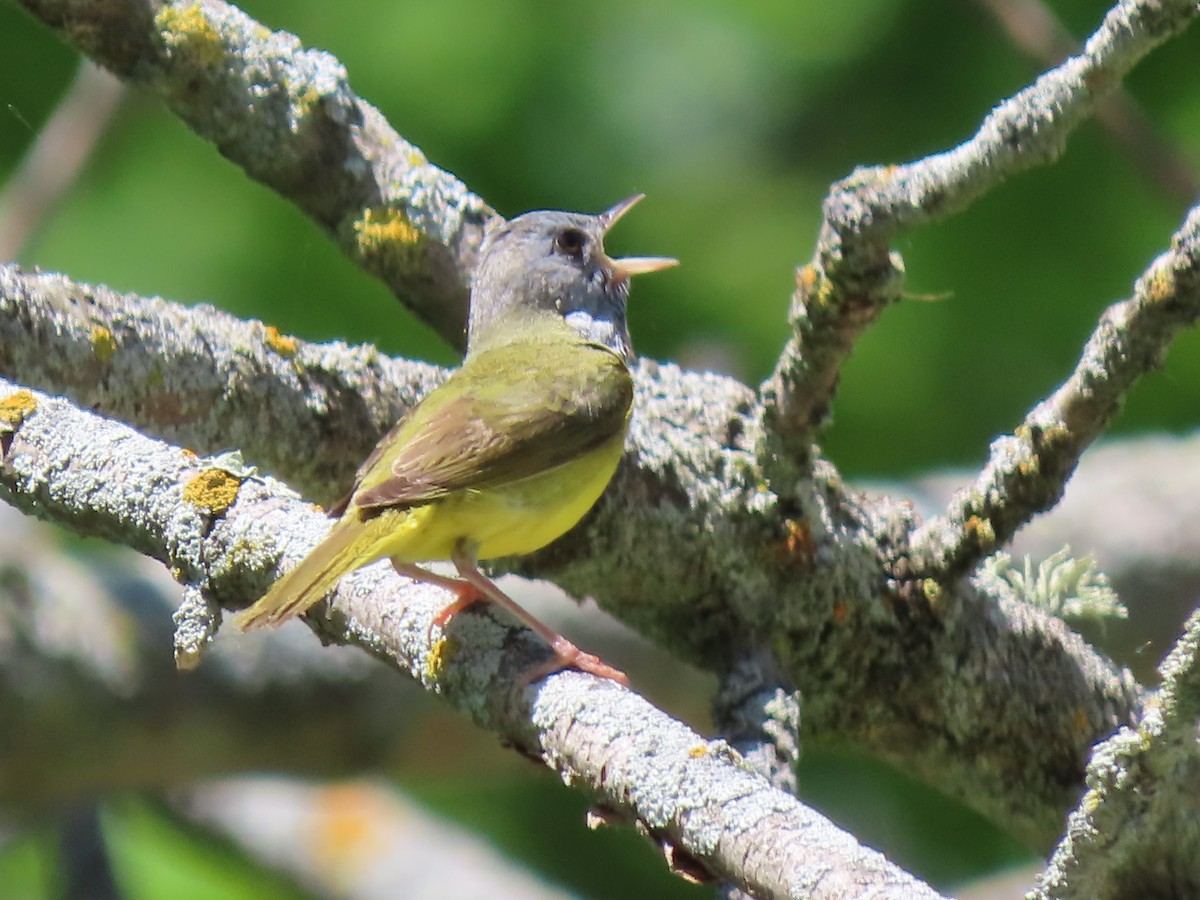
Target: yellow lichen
187, 29
435, 663
932, 591
416, 157
807, 278
16, 407
698, 751
104, 345
282, 344
306, 100
213, 490
379, 228
1160, 285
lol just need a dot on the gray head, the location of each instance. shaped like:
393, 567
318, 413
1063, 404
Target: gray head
551, 263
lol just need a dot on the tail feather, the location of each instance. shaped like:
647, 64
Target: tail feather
315, 576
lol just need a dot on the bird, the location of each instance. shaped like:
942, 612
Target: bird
511, 450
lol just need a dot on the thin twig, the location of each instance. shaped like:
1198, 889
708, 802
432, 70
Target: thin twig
1034, 28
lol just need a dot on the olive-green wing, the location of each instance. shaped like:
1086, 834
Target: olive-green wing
508, 413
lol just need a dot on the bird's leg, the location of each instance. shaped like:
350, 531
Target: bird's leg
466, 593
566, 654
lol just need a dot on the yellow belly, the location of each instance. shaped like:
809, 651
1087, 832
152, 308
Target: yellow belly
508, 520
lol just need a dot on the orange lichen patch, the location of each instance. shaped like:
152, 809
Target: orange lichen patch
15, 408
385, 226
698, 751
190, 454
187, 29
282, 344
807, 278
104, 345
349, 826
981, 529
213, 490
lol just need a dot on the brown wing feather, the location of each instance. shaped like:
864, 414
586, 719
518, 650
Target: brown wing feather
507, 418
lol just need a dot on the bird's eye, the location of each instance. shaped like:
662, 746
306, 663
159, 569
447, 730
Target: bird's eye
570, 241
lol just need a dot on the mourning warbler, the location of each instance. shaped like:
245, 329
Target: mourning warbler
515, 446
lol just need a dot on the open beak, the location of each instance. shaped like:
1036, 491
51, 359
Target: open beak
639, 265
610, 218
622, 269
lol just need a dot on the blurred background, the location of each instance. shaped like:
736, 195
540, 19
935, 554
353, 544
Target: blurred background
734, 119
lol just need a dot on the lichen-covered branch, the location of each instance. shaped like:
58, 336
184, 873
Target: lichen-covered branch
854, 274
699, 543
1033, 27
1136, 832
1028, 470
207, 380
732, 568
227, 535
287, 116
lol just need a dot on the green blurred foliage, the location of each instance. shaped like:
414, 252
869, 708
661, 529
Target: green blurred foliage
734, 118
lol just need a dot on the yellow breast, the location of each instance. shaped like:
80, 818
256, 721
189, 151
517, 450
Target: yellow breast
506, 520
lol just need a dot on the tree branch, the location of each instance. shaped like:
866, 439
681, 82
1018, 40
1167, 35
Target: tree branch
227, 536
287, 116
741, 558
732, 566
854, 274
1028, 470
1033, 27
207, 380
1138, 826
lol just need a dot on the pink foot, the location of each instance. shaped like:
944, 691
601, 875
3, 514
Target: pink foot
568, 656
468, 595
